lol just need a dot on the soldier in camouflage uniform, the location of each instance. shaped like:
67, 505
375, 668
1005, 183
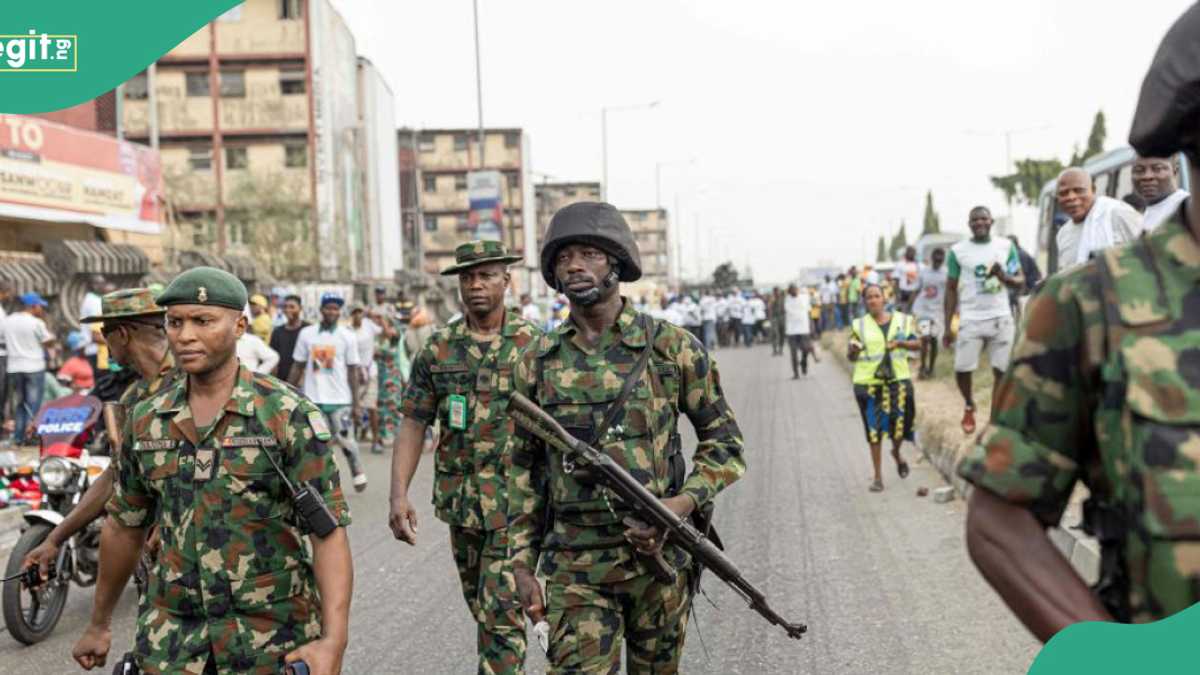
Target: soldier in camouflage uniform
235, 589
133, 328
1104, 389
599, 589
463, 376
391, 356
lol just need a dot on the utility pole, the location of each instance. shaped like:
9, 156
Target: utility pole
152, 101
478, 82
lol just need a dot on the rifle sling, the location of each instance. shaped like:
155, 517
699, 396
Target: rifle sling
635, 375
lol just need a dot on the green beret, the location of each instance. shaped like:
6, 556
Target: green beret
205, 286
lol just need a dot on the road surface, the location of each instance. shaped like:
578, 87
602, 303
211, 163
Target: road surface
882, 580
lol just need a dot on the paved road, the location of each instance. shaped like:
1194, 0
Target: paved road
883, 581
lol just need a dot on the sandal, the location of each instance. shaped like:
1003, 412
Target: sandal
876, 486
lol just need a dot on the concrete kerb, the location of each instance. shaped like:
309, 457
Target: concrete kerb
1081, 550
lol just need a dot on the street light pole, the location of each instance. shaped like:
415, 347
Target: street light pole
604, 140
478, 82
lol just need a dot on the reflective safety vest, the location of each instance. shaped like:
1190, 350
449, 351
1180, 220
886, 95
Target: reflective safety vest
867, 332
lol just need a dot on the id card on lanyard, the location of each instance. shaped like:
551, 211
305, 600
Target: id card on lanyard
458, 411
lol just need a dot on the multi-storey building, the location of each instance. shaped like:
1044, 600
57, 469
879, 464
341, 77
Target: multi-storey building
553, 196
264, 117
650, 229
444, 158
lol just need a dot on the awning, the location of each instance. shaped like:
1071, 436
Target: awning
242, 267
106, 221
29, 272
71, 257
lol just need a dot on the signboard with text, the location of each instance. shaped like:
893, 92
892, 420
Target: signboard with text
486, 212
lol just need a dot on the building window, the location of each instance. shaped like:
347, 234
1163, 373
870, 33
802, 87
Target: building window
291, 80
514, 180
430, 183
460, 142
290, 9
512, 139
295, 155
233, 83
425, 143
236, 158
431, 223
200, 159
197, 83
461, 222
460, 182
136, 88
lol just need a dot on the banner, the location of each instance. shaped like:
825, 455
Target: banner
53, 172
486, 212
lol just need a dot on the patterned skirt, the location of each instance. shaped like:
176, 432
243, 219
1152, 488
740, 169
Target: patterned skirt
887, 410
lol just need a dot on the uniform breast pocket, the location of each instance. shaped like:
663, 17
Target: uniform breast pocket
255, 489
159, 465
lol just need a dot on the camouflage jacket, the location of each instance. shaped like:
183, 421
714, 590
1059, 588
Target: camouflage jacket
142, 388
1104, 388
234, 574
575, 384
470, 486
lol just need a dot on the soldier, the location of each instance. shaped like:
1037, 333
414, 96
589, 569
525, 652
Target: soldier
463, 376
132, 326
599, 589
1104, 388
211, 460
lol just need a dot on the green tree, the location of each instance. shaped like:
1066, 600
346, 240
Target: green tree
1031, 174
899, 243
932, 223
1095, 141
273, 219
881, 250
725, 276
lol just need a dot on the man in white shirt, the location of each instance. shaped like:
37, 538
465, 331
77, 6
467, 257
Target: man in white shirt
91, 307
929, 310
690, 314
6, 291
1155, 181
708, 319
531, 312
1096, 223
754, 314
326, 368
797, 307
26, 340
366, 330
979, 273
829, 300
255, 354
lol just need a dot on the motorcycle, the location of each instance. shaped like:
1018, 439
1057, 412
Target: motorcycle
68, 463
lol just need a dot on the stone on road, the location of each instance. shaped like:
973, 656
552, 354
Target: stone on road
882, 580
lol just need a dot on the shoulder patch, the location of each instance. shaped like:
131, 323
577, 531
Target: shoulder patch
316, 420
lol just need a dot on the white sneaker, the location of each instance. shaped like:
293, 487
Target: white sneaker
360, 482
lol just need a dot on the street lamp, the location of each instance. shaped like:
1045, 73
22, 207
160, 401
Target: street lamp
604, 138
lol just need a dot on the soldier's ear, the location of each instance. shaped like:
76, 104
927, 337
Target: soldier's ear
239, 328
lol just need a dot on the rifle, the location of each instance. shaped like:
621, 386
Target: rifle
646, 506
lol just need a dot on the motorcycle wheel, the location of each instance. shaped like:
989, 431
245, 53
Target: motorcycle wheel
32, 614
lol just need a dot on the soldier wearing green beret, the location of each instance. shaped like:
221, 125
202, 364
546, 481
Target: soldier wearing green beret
132, 326
1104, 390
463, 376
211, 460
599, 588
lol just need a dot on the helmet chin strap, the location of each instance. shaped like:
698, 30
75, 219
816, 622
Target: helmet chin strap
592, 295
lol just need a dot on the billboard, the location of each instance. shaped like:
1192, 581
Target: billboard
486, 212
57, 173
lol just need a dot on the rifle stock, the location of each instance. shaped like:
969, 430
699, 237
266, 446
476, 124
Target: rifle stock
647, 507
114, 416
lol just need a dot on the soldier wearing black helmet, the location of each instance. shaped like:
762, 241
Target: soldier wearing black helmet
599, 589
1104, 389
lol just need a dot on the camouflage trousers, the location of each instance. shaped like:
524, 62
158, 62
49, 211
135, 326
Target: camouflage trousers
491, 594
588, 623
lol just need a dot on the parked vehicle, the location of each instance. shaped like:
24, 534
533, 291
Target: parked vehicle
68, 463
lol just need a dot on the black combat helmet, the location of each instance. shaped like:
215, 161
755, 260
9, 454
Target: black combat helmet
1169, 106
595, 224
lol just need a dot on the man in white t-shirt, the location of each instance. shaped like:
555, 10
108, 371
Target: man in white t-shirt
906, 273
366, 329
979, 273
1155, 181
708, 319
26, 340
326, 368
91, 307
531, 312
1096, 222
829, 300
929, 309
797, 309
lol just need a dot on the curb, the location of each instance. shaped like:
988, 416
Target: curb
11, 521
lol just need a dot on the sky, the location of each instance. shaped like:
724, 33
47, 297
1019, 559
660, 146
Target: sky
791, 134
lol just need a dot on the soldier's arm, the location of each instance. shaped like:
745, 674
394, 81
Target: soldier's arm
526, 480
718, 460
419, 407
1028, 461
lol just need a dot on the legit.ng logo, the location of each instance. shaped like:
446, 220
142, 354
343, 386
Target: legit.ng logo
35, 52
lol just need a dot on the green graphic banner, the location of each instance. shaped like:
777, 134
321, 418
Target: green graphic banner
1099, 648
58, 53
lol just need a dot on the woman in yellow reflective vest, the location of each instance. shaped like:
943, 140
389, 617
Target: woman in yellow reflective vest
879, 346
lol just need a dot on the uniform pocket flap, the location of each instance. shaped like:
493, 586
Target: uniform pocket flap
1161, 387
263, 590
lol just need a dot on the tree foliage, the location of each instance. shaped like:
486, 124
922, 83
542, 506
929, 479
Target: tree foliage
899, 243
725, 276
881, 250
274, 218
1025, 185
931, 223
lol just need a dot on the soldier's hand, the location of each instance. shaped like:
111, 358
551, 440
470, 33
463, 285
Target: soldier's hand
42, 556
323, 656
91, 651
153, 543
530, 593
403, 520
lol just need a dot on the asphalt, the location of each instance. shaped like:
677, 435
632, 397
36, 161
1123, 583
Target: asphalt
882, 580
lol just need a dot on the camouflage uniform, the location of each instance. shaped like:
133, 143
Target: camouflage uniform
471, 472
392, 359
1104, 388
234, 583
598, 590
